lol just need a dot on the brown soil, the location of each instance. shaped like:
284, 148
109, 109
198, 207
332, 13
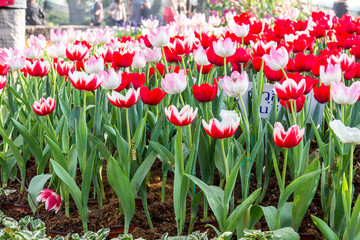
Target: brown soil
162, 214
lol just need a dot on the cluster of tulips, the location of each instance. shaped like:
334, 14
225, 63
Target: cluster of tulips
193, 72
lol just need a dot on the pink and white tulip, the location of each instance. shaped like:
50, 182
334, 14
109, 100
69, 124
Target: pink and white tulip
277, 59
242, 30
200, 56
236, 85
344, 95
138, 61
152, 55
94, 65
332, 73
17, 63
58, 36
110, 80
186, 115
160, 37
174, 83
224, 48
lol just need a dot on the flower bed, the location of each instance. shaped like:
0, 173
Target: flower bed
228, 116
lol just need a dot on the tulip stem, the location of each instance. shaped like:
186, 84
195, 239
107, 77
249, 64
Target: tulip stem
200, 75
284, 168
225, 66
181, 100
225, 160
352, 146
128, 132
165, 62
284, 73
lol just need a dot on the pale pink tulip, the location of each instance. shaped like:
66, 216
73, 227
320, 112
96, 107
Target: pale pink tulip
200, 56
174, 83
332, 73
241, 31
160, 37
237, 84
277, 59
58, 36
344, 95
224, 48
110, 80
152, 55
94, 65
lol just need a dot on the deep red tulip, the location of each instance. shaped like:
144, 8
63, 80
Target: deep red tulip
136, 79
241, 56
161, 69
152, 97
205, 92
205, 69
288, 139
44, 106
322, 93
272, 75
123, 59
213, 58
171, 57
300, 25
304, 63
4, 69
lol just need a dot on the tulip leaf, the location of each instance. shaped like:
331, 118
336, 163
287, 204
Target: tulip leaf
294, 185
101, 146
87, 176
240, 210
71, 186
57, 153
139, 133
30, 140
324, 229
142, 171
36, 184
163, 152
121, 185
304, 194
353, 228
346, 196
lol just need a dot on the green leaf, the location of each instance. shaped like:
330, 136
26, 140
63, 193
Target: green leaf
142, 171
57, 153
121, 185
30, 140
353, 228
215, 196
72, 187
286, 233
138, 135
294, 185
101, 146
304, 194
163, 152
35, 186
86, 177
324, 229
240, 210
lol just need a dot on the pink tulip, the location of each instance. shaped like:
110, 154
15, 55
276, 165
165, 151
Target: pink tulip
237, 84
224, 48
289, 89
160, 38
84, 81
150, 24
4, 56
58, 50
17, 63
242, 30
94, 65
103, 36
332, 73
345, 95
230, 121
138, 61
277, 59
174, 83
182, 118
39, 41
58, 36
33, 52
200, 56
152, 55
110, 80
121, 101
44, 106
51, 199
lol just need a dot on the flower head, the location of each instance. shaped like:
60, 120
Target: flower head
44, 106
230, 121
174, 83
51, 199
186, 115
237, 84
346, 134
277, 59
288, 139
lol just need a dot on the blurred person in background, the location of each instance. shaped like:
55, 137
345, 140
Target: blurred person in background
170, 10
137, 7
12, 24
97, 13
117, 12
340, 8
34, 14
145, 11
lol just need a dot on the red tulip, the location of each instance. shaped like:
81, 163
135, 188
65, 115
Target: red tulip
205, 92
123, 59
288, 139
152, 97
182, 118
298, 103
3, 80
272, 75
44, 106
322, 93
213, 58
4, 69
51, 199
121, 101
38, 68
205, 69
304, 63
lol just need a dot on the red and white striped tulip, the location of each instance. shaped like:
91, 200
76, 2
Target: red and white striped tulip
84, 81
44, 106
38, 68
51, 199
230, 121
288, 139
186, 115
121, 101
289, 89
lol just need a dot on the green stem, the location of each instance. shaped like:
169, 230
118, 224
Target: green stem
225, 160
284, 73
165, 62
200, 75
128, 132
225, 66
284, 168
351, 175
